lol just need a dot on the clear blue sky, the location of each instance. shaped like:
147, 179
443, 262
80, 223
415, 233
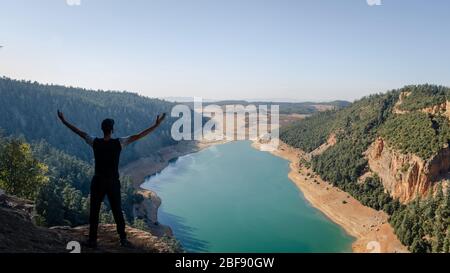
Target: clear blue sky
303, 50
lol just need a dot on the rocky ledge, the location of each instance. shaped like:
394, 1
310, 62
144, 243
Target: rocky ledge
19, 234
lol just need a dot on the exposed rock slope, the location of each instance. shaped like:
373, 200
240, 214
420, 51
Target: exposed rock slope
406, 176
18, 234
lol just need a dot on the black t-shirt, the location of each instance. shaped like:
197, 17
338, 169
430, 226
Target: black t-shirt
107, 155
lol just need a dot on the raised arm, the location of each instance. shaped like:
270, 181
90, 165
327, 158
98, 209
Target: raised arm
71, 127
159, 120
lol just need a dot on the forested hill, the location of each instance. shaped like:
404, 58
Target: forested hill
390, 151
29, 109
43, 161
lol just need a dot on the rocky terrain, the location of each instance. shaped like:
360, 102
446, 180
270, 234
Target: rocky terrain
19, 234
438, 109
390, 151
407, 176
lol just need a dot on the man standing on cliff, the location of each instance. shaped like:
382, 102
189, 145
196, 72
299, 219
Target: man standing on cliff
106, 178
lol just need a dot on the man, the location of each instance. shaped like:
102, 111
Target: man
106, 178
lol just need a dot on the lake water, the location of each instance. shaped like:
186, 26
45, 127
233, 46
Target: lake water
234, 198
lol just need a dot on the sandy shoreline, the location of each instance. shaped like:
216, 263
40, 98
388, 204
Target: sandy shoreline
371, 229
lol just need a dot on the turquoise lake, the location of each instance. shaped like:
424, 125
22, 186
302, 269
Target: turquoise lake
234, 198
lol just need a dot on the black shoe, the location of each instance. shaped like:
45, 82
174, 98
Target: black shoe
90, 244
125, 243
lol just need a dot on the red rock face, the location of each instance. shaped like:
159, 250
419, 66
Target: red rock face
440, 109
406, 176
331, 141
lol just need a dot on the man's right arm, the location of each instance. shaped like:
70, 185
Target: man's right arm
74, 129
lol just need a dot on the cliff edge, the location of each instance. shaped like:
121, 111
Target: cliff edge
19, 234
407, 176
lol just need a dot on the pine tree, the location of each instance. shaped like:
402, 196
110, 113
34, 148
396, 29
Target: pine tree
438, 241
49, 205
418, 246
446, 246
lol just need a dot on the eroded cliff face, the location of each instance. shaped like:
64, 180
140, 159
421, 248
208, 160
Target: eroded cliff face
148, 211
401, 97
440, 109
331, 141
406, 176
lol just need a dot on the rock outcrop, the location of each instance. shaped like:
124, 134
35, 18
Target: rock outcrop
439, 109
407, 176
442, 109
147, 210
401, 97
138, 170
331, 141
19, 234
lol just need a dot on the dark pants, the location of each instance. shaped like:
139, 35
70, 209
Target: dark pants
99, 188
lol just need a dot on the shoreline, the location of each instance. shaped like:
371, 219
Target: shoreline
365, 224
142, 168
370, 228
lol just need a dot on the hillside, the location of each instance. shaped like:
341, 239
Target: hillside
43, 161
18, 234
29, 109
390, 151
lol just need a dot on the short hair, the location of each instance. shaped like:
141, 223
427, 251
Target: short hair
107, 125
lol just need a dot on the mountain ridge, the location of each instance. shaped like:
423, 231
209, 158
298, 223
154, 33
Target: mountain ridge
419, 208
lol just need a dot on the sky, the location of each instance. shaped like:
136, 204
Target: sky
311, 50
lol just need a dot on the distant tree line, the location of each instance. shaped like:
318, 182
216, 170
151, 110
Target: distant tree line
302, 108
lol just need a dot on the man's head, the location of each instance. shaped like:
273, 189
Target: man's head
108, 126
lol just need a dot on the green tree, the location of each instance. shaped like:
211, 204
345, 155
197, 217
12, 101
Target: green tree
50, 205
446, 247
20, 173
419, 246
